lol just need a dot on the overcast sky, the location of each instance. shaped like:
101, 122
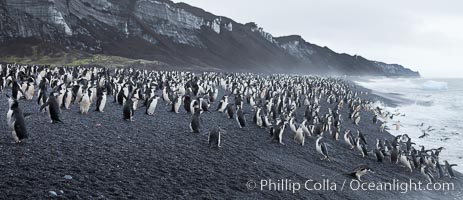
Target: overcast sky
423, 35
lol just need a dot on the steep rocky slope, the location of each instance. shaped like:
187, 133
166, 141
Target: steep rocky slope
174, 33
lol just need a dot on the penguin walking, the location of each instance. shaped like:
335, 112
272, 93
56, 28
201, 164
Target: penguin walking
127, 109
348, 139
379, 155
277, 131
187, 103
42, 96
305, 128
16, 91
439, 170
361, 136
449, 169
230, 111
240, 117
394, 155
359, 171
382, 127
15, 119
100, 100
195, 120
427, 173
214, 137
52, 107
405, 160
361, 147
320, 146
152, 103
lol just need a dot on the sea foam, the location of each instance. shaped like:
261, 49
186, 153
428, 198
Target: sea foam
434, 85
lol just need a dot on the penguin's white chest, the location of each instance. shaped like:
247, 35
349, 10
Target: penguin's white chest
177, 105
68, 99
30, 92
102, 103
9, 114
152, 107
318, 147
85, 104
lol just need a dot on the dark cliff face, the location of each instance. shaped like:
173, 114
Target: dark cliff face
323, 57
174, 33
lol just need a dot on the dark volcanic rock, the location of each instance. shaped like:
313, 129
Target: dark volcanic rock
174, 33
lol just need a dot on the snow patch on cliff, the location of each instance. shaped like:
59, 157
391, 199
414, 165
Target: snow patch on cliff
57, 18
298, 50
266, 35
216, 25
229, 26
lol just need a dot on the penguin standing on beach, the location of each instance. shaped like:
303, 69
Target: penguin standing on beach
257, 117
375, 119
214, 137
405, 160
127, 109
277, 132
223, 104
361, 147
187, 103
16, 91
195, 120
100, 100
177, 102
379, 155
152, 103
240, 117
394, 155
299, 136
449, 169
230, 111
427, 173
348, 139
29, 89
15, 119
67, 99
85, 102
52, 107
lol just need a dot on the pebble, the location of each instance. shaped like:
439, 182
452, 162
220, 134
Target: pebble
53, 193
68, 177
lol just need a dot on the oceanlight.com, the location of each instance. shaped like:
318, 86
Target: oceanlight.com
288, 185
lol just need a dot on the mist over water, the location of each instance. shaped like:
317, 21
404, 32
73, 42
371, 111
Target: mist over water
437, 103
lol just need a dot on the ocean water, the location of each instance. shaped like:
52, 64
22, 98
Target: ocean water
437, 103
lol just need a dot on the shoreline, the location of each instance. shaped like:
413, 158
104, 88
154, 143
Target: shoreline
157, 157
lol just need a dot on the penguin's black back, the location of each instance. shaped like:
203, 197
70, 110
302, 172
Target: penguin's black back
53, 108
19, 125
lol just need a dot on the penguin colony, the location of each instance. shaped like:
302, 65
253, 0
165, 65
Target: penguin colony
273, 101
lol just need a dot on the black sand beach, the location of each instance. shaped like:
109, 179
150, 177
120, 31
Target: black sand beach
156, 157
